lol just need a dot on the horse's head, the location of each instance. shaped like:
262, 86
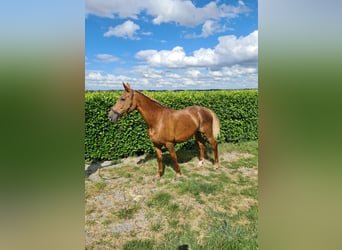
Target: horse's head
124, 105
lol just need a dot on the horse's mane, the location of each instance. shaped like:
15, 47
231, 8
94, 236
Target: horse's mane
153, 100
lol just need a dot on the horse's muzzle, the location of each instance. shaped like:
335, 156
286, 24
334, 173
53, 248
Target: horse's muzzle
113, 116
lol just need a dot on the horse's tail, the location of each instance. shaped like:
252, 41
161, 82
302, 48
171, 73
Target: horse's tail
216, 125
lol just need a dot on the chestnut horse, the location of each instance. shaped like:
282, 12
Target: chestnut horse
167, 126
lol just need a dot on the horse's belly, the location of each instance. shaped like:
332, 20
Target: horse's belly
184, 131
183, 137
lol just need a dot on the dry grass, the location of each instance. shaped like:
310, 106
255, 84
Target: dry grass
125, 208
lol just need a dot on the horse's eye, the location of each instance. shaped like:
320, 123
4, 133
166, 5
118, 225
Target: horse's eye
122, 99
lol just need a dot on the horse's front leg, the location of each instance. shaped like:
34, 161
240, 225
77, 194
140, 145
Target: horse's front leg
171, 148
160, 160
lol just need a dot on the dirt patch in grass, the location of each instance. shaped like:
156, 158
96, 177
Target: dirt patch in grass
234, 156
125, 206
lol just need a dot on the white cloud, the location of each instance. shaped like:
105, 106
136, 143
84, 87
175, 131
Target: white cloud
233, 71
126, 30
94, 76
193, 73
231, 63
98, 80
106, 58
179, 11
186, 14
99, 77
146, 77
115, 8
146, 33
232, 50
210, 27
172, 59
182, 12
229, 51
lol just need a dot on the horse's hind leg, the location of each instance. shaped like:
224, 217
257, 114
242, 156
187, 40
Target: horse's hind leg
173, 155
200, 142
213, 144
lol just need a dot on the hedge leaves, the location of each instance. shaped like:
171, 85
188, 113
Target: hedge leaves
237, 111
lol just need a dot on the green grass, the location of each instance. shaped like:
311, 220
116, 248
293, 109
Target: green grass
126, 213
242, 180
99, 185
251, 192
206, 209
127, 171
252, 213
224, 179
250, 147
223, 234
107, 222
138, 245
245, 162
104, 243
173, 223
95, 188
173, 207
175, 238
160, 199
196, 187
155, 227
127, 175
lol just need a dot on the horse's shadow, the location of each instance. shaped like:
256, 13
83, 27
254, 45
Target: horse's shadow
184, 155
92, 168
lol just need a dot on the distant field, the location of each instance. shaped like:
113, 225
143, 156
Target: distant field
206, 209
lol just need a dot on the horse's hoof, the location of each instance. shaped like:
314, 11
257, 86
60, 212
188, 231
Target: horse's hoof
179, 177
216, 166
200, 163
156, 178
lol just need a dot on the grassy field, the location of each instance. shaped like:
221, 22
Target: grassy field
205, 209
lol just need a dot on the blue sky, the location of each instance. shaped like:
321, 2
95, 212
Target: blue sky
171, 44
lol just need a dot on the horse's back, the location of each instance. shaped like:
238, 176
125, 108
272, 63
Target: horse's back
202, 114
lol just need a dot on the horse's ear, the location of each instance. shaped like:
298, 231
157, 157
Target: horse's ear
127, 87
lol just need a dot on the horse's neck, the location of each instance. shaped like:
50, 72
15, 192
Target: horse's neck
149, 109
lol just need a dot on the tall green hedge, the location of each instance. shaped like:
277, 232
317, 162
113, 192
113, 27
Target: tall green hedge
237, 111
